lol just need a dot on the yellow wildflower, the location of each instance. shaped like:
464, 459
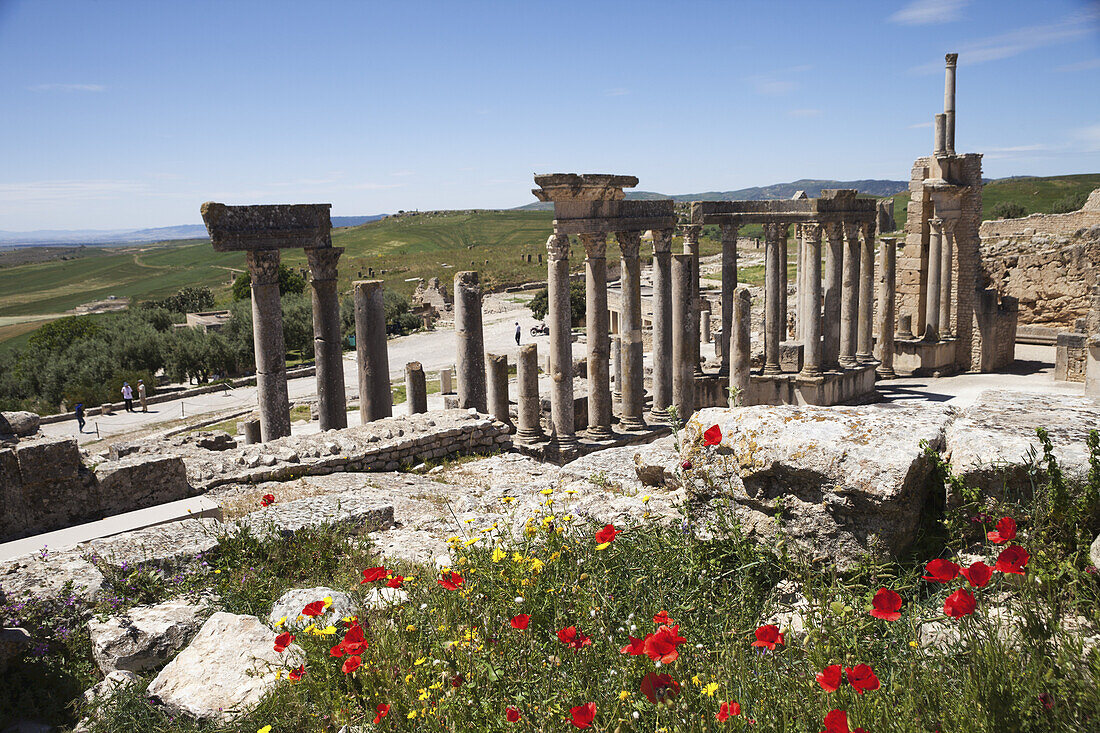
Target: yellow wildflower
280, 622
710, 689
420, 661
603, 545
327, 631
309, 629
624, 696
472, 541
508, 499
695, 680
328, 601
411, 714
499, 554
546, 492
410, 627
265, 729
424, 694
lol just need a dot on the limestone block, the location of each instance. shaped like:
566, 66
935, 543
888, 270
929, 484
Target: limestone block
141, 481
20, 423
291, 603
225, 671
143, 637
632, 467
844, 481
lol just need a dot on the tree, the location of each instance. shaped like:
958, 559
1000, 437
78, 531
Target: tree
1068, 203
399, 318
186, 300
1008, 210
540, 304
290, 283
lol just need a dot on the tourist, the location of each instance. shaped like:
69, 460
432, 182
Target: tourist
79, 412
141, 395
518, 331
128, 396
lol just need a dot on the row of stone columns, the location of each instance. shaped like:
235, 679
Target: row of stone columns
937, 304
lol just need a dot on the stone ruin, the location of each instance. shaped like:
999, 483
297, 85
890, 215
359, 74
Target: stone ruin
433, 294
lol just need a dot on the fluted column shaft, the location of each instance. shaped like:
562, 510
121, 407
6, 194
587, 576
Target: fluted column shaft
630, 333
691, 247
811, 301
729, 285
662, 322
375, 398
683, 375
864, 338
886, 295
328, 348
849, 306
834, 279
774, 318
932, 296
783, 307
946, 278
598, 337
561, 349
269, 345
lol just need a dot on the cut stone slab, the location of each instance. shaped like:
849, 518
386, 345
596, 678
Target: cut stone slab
225, 671
837, 482
19, 423
359, 510
989, 444
632, 468
291, 603
144, 637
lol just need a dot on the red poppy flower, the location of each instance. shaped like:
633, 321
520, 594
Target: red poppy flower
314, 609
297, 674
583, 715
662, 618
458, 680
830, 678
836, 721
659, 688
635, 647
573, 638
282, 641
520, 622
977, 574
607, 534
380, 712
941, 571
396, 581
372, 574
726, 710
886, 605
354, 642
959, 604
862, 678
1005, 532
712, 436
768, 636
686, 465
350, 665
661, 645
511, 714
267, 500
451, 581
1013, 559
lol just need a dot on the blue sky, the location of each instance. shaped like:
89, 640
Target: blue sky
130, 114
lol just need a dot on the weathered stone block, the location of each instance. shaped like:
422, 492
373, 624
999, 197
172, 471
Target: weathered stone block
140, 481
143, 637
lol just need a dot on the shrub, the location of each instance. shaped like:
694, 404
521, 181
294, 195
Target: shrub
540, 304
1008, 210
1068, 203
290, 282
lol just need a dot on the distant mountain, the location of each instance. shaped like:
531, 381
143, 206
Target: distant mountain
869, 187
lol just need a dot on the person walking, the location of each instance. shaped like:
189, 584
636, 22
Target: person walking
141, 395
518, 332
128, 396
79, 412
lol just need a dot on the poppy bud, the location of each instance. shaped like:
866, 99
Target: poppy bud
686, 465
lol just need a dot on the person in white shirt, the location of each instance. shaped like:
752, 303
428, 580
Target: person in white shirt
128, 396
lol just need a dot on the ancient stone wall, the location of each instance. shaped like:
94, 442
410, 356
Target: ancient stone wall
1047, 224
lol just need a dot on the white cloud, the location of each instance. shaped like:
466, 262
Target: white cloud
804, 113
67, 88
920, 125
1013, 151
776, 83
616, 92
925, 12
1089, 137
1081, 66
46, 191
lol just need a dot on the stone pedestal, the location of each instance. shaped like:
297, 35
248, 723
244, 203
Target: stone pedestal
849, 297
834, 279
598, 339
498, 387
561, 355
328, 341
445, 381
529, 412
811, 301
267, 336
683, 355
886, 293
416, 388
728, 234
470, 342
864, 339
774, 317
375, 398
630, 369
740, 347
662, 322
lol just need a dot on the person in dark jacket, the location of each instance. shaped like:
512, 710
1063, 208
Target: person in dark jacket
79, 411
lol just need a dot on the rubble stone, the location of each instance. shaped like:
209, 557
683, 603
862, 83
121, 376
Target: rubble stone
143, 637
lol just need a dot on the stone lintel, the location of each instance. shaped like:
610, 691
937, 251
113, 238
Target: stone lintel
267, 226
581, 186
793, 211
612, 225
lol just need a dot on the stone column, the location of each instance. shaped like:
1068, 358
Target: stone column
691, 247
834, 278
946, 266
498, 387
783, 255
561, 342
811, 302
662, 322
886, 294
740, 347
471, 342
529, 407
631, 370
939, 135
683, 374
864, 338
267, 337
328, 340
774, 318
949, 102
799, 284
416, 388
932, 296
849, 306
616, 367
598, 339
704, 325
729, 285
375, 398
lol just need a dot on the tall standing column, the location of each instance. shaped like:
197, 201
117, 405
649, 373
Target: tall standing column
598, 338
559, 317
740, 347
630, 345
662, 322
691, 247
375, 398
932, 296
683, 374
332, 406
864, 338
952, 60
946, 277
849, 298
811, 302
529, 407
498, 387
729, 285
470, 340
416, 388
834, 278
784, 254
799, 284
886, 294
774, 318
267, 337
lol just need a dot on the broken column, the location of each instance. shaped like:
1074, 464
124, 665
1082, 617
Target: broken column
704, 322
886, 294
691, 247
952, 60
728, 233
598, 339
946, 264
740, 348
529, 407
662, 322
561, 342
864, 338
328, 340
616, 367
811, 301
849, 297
774, 318
630, 369
375, 398
470, 341
445, 377
833, 288
932, 295
683, 374
498, 387
416, 388
270, 348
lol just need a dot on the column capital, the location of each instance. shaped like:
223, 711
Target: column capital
812, 232
690, 233
557, 246
775, 231
949, 225
834, 230
952, 59
868, 230
263, 266
936, 224
595, 246
629, 242
322, 262
662, 241
729, 232
851, 230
